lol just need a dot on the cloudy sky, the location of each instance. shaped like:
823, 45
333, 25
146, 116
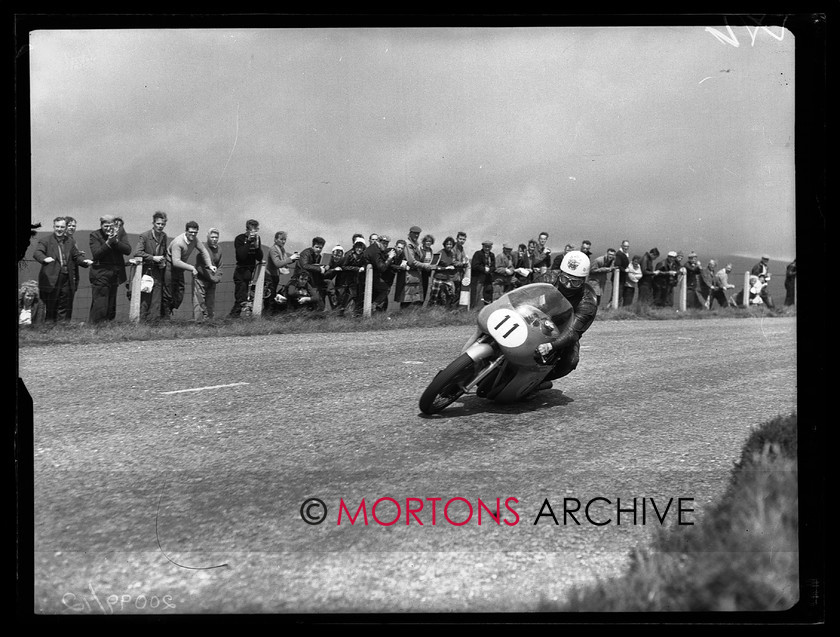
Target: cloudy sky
666, 136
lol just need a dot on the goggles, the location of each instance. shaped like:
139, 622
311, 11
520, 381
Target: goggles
570, 281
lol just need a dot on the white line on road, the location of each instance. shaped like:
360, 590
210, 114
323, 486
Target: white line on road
181, 391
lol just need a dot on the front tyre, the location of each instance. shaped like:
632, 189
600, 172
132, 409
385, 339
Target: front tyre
448, 385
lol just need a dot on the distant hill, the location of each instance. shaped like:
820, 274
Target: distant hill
740, 264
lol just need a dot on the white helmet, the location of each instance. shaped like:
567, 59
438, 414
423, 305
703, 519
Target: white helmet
575, 263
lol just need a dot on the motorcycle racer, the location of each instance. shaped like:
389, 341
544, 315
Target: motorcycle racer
572, 283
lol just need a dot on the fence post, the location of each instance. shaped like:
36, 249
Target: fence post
134, 307
745, 301
464, 300
367, 307
615, 290
681, 282
259, 292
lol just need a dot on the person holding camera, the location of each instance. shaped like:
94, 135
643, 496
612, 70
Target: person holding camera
248, 251
108, 249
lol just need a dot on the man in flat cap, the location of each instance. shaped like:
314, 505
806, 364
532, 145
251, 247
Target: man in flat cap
410, 292
503, 273
483, 266
666, 279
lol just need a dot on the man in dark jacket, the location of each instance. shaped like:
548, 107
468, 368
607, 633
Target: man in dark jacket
248, 252
59, 257
790, 283
77, 278
693, 270
666, 279
380, 259
648, 265
347, 280
108, 249
483, 265
622, 260
151, 249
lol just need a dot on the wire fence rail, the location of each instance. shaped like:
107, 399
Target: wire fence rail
128, 305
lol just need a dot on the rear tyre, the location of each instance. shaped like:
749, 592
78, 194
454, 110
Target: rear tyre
448, 385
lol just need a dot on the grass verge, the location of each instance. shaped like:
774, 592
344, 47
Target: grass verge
307, 323
742, 555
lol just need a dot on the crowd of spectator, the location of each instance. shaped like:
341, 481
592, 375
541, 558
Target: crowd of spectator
334, 281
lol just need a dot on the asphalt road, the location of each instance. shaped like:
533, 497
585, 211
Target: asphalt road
169, 476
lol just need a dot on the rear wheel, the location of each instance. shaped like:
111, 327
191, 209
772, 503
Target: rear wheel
448, 385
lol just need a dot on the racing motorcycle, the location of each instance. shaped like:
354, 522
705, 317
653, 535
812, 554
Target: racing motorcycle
500, 360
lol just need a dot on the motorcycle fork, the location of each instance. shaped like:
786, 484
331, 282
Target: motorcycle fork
475, 381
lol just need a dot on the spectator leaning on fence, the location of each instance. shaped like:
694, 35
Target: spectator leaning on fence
108, 252
631, 284
208, 276
666, 279
347, 279
151, 249
722, 284
179, 251
248, 251
379, 258
707, 283
58, 255
646, 286
310, 262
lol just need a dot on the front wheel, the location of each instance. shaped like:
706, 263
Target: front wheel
448, 385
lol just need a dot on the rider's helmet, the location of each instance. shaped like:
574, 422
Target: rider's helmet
574, 268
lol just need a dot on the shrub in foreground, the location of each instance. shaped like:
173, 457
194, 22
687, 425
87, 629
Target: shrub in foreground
742, 555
